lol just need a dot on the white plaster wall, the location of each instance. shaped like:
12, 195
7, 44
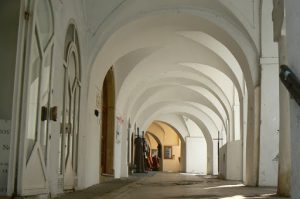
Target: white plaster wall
219, 49
147, 8
176, 121
248, 14
269, 129
234, 159
196, 156
196, 131
293, 49
174, 78
192, 127
222, 79
223, 162
212, 99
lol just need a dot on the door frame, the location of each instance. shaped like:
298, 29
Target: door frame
17, 102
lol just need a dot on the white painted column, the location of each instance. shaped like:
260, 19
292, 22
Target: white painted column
284, 167
267, 126
196, 155
183, 157
252, 145
269, 137
215, 156
118, 149
237, 122
245, 132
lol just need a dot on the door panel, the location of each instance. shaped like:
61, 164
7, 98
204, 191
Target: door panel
37, 86
71, 102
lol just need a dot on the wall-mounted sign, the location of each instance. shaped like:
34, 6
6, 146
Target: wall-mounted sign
98, 99
4, 154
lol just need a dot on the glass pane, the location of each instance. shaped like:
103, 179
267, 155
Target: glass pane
67, 125
61, 144
60, 154
35, 65
76, 124
45, 91
73, 115
72, 69
44, 21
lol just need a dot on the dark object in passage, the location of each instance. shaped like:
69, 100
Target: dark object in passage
291, 82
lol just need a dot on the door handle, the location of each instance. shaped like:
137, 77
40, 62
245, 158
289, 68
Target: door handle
44, 113
53, 113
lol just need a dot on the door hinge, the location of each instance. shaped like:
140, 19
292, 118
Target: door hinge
26, 15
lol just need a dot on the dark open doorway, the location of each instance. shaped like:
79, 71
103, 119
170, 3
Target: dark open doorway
108, 118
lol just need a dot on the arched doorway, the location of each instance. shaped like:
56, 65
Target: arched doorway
156, 151
108, 118
166, 142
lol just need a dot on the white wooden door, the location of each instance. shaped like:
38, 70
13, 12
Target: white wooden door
35, 122
71, 104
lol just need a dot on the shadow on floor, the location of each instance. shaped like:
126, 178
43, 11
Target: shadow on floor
109, 185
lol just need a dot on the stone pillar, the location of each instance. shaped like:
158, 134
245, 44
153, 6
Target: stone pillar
269, 127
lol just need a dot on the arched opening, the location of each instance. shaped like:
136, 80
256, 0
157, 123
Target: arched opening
155, 150
217, 74
165, 143
108, 118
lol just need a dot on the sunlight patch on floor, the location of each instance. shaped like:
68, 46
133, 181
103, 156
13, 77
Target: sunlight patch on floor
226, 186
190, 174
243, 197
234, 197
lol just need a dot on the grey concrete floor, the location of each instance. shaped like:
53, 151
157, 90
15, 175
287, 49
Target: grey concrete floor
174, 186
